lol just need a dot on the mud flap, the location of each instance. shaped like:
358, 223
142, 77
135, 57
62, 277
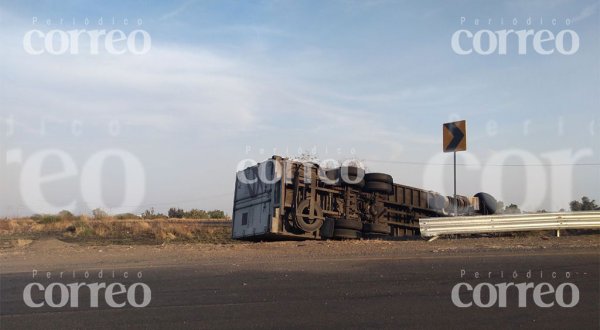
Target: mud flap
326, 230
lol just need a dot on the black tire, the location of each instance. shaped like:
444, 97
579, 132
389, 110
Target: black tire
348, 175
348, 224
379, 177
487, 203
379, 187
331, 177
352, 171
379, 228
332, 174
346, 234
358, 185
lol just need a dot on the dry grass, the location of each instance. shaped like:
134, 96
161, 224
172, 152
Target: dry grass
111, 230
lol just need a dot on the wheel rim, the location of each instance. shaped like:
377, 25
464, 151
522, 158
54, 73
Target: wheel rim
306, 221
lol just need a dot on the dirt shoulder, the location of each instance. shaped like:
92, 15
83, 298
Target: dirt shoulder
51, 253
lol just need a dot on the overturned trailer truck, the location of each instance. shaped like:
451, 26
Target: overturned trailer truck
284, 199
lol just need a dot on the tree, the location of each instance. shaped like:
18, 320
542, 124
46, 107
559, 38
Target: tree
65, 215
99, 214
196, 214
176, 213
575, 206
585, 205
149, 214
216, 214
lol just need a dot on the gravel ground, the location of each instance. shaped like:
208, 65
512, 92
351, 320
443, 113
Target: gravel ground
51, 253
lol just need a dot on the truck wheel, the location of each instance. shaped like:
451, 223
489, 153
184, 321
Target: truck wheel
306, 221
333, 175
379, 177
348, 224
358, 185
379, 187
346, 234
379, 228
487, 203
352, 173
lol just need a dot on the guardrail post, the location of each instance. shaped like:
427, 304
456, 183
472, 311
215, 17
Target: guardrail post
433, 238
558, 233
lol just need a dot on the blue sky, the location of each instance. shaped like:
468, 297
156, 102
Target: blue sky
373, 80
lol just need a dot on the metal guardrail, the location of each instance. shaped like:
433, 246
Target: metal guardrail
433, 227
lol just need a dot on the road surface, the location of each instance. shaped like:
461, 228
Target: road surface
346, 291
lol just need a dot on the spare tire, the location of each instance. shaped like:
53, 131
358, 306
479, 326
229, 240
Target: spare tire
379, 228
306, 221
348, 224
379, 177
346, 234
487, 203
379, 187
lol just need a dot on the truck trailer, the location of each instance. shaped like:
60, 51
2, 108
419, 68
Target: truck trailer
289, 199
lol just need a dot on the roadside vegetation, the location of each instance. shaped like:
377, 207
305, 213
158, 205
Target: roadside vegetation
586, 204
148, 228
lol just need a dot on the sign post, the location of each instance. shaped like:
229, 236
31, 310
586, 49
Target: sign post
455, 201
455, 139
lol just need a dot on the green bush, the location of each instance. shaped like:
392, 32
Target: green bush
216, 214
82, 229
585, 205
150, 214
196, 214
99, 214
66, 215
124, 216
176, 213
45, 218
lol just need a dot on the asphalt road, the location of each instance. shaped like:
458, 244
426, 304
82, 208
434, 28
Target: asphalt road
361, 292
